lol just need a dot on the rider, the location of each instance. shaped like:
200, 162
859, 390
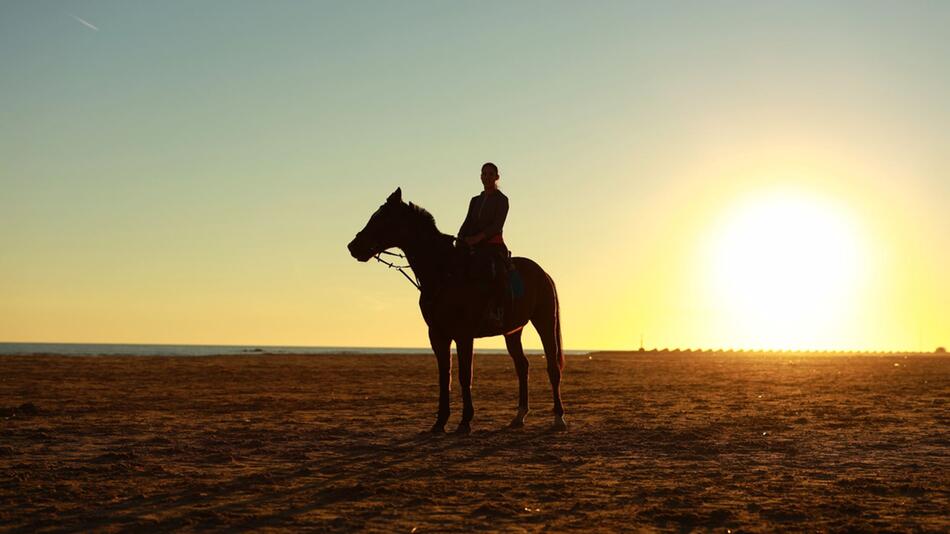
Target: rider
482, 230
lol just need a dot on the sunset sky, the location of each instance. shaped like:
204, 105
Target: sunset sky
704, 174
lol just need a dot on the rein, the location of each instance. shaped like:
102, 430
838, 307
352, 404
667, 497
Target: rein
400, 268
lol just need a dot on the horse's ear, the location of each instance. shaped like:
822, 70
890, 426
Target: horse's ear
396, 196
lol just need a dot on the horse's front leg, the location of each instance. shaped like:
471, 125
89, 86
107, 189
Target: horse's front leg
466, 355
442, 347
513, 342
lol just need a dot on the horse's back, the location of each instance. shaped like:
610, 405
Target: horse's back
534, 278
526, 266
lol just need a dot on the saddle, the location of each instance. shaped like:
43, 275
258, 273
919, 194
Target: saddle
498, 283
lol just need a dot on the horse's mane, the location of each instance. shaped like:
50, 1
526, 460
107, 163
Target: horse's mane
425, 219
422, 215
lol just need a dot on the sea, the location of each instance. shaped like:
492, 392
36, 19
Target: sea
111, 349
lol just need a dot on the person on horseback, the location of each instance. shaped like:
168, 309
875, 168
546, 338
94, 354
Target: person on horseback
482, 230
448, 304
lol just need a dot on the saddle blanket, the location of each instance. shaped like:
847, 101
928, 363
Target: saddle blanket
515, 283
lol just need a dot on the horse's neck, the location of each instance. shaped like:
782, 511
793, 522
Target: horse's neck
429, 255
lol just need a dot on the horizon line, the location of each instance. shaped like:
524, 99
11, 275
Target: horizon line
936, 350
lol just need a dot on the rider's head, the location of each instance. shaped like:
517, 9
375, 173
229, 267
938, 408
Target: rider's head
489, 174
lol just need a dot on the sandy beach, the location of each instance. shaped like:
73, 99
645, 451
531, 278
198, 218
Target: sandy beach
666, 442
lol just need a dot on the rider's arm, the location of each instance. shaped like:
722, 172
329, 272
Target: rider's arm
474, 239
470, 218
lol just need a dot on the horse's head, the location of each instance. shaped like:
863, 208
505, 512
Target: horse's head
387, 228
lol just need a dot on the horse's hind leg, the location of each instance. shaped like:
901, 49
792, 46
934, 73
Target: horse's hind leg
513, 341
466, 355
549, 329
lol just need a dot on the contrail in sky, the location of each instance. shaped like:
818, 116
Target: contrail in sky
84, 23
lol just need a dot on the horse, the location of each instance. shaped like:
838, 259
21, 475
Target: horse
451, 306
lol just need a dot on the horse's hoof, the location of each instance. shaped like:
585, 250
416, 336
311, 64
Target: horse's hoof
437, 429
518, 421
559, 424
463, 428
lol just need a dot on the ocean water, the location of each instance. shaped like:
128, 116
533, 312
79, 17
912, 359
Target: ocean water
91, 349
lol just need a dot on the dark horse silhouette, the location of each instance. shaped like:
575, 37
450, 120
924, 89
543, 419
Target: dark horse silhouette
451, 305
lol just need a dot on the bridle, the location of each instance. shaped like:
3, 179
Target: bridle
400, 268
414, 279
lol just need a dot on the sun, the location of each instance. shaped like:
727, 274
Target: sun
786, 269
